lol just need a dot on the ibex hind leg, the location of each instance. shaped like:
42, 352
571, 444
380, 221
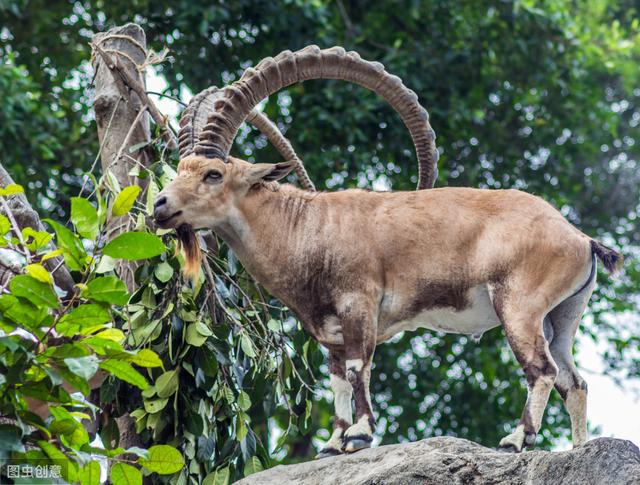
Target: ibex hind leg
523, 325
565, 320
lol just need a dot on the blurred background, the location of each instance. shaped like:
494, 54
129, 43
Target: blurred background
542, 96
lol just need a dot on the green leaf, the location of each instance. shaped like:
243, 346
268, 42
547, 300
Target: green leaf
247, 345
11, 189
5, 225
83, 320
152, 192
274, 325
125, 200
244, 401
106, 264
39, 272
134, 245
163, 272
36, 239
253, 465
84, 367
203, 329
123, 371
194, 337
37, 292
219, 477
85, 217
90, 474
72, 249
155, 405
163, 459
123, 474
64, 426
146, 358
22, 312
167, 384
69, 469
108, 289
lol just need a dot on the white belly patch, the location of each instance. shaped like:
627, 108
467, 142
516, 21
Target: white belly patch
476, 318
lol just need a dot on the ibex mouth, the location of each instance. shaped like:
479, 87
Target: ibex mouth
164, 221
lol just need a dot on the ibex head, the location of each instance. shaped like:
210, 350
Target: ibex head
205, 194
206, 190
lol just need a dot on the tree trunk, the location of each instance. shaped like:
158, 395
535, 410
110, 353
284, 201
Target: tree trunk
123, 122
119, 117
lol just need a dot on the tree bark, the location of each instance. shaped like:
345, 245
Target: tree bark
25, 216
121, 124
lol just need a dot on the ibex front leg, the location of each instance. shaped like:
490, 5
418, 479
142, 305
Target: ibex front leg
359, 331
341, 389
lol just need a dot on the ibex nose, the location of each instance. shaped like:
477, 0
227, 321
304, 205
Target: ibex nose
160, 201
160, 208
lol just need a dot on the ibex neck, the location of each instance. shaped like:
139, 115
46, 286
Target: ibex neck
261, 230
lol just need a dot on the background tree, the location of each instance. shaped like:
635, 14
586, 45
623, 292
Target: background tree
539, 95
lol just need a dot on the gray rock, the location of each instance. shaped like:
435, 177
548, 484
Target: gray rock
456, 461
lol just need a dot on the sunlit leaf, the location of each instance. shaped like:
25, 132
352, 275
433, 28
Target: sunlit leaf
123, 474
146, 358
84, 217
84, 319
163, 459
125, 200
167, 384
39, 293
90, 474
108, 289
73, 251
155, 405
124, 371
11, 189
134, 246
39, 272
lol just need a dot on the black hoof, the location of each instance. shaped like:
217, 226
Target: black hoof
327, 452
356, 443
509, 449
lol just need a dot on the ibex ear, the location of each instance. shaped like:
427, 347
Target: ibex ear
268, 172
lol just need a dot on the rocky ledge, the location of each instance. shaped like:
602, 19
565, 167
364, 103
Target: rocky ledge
456, 461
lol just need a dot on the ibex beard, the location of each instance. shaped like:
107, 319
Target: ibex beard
358, 267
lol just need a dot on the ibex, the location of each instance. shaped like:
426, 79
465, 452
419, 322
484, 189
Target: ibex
357, 267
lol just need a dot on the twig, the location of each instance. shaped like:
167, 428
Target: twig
167, 96
348, 36
104, 140
133, 127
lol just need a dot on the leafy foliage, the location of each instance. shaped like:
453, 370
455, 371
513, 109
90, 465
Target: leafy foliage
54, 348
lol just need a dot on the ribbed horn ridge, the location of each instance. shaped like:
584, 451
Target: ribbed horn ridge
272, 74
194, 118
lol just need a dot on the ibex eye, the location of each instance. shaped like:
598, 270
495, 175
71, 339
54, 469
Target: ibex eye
212, 176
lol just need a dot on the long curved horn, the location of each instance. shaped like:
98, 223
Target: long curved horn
194, 118
272, 74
